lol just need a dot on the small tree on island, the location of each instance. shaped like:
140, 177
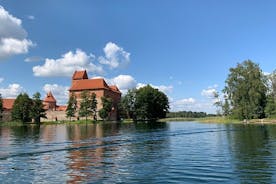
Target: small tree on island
21, 108
104, 113
1, 107
71, 106
37, 110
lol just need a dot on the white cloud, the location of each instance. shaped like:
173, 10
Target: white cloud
12, 91
13, 39
191, 104
60, 93
210, 91
33, 59
123, 82
115, 56
67, 64
163, 88
266, 73
1, 79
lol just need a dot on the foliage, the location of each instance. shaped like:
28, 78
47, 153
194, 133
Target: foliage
270, 109
127, 105
93, 106
37, 111
88, 105
246, 91
106, 109
21, 108
71, 106
1, 107
186, 114
222, 105
150, 104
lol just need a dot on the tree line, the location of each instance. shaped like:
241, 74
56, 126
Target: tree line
188, 114
26, 109
146, 103
88, 106
249, 93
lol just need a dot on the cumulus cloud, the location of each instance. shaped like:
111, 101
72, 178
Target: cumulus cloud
115, 56
210, 91
13, 37
123, 82
191, 104
60, 92
12, 91
67, 64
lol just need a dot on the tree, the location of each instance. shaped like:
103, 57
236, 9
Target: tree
85, 105
127, 104
1, 107
150, 103
71, 106
222, 105
21, 108
37, 110
246, 91
88, 105
270, 109
106, 109
93, 106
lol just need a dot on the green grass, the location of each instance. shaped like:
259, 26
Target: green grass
203, 120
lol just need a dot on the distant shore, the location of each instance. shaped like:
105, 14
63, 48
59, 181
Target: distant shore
221, 120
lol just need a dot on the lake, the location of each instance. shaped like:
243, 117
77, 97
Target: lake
175, 152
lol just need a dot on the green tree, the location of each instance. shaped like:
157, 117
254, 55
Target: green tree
22, 108
85, 105
222, 105
1, 107
93, 105
37, 110
270, 109
106, 109
150, 103
246, 90
127, 104
71, 106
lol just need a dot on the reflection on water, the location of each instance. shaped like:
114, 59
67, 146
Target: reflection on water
138, 153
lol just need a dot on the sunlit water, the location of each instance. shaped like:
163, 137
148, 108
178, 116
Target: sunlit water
177, 152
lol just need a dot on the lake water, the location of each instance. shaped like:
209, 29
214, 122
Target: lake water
176, 152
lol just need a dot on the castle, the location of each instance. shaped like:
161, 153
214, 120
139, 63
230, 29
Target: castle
80, 83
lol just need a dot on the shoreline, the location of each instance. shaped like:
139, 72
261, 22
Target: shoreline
218, 120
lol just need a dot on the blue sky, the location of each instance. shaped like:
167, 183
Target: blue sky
184, 48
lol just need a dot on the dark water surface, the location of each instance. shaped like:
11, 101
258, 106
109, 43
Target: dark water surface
177, 152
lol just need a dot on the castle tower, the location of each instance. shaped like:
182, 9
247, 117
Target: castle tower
50, 102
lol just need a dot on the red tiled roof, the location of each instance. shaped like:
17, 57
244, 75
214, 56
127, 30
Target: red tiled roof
61, 108
80, 75
81, 82
8, 104
88, 84
50, 98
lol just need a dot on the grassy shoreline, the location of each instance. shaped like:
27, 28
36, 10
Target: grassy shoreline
222, 120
